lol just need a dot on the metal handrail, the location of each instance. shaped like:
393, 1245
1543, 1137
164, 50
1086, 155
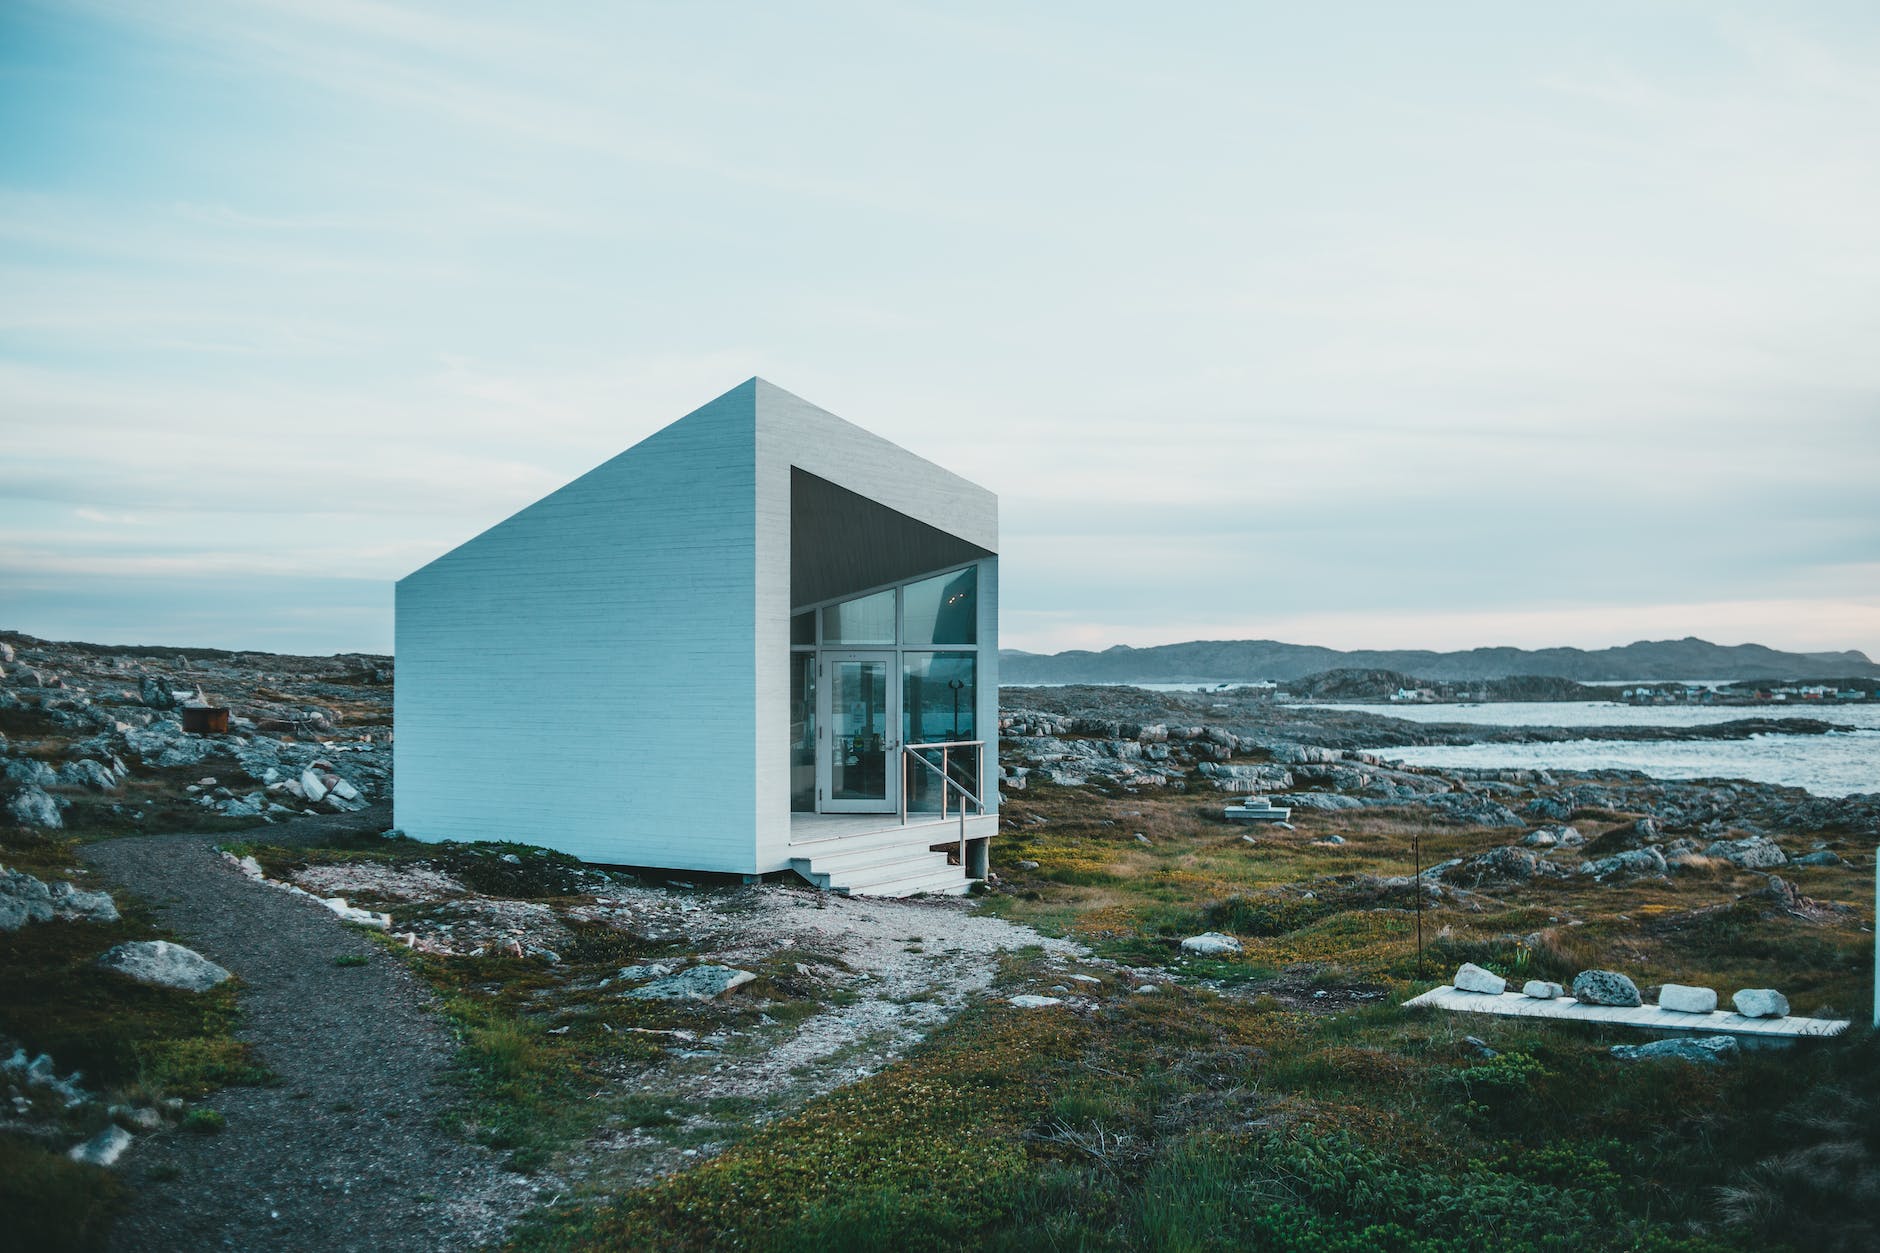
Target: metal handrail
948, 782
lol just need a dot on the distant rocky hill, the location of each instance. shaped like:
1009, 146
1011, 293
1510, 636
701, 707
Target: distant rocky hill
1225, 661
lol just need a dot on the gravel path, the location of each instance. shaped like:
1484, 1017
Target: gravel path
346, 1152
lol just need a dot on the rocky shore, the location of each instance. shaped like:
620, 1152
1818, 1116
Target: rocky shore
1317, 758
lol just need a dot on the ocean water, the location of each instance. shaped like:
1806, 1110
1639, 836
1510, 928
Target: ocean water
1836, 764
1599, 713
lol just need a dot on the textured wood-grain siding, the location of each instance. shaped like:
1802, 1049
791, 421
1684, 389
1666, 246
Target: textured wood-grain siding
580, 675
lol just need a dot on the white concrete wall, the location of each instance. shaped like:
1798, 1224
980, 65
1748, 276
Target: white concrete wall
581, 675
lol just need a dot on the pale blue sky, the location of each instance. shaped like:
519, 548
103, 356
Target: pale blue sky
1361, 324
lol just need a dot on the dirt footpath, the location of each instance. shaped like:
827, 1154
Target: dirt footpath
345, 1153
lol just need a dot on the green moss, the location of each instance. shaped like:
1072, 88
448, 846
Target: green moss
50, 1203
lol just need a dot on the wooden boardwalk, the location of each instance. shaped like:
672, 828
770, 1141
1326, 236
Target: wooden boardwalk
1648, 1017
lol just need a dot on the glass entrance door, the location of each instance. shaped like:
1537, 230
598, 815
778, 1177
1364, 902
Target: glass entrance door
861, 715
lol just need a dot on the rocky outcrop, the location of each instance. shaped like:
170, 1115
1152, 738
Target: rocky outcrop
32, 806
24, 898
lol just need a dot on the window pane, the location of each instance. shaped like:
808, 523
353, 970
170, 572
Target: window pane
803, 628
938, 694
943, 610
869, 620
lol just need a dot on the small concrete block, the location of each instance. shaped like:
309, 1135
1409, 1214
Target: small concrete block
1472, 978
1687, 1000
1761, 1003
1541, 990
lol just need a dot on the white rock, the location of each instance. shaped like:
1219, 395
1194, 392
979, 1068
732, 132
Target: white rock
1085, 979
164, 964
1541, 990
1028, 1001
344, 790
1145, 988
310, 785
1472, 978
102, 1149
1761, 1003
1687, 1000
1210, 944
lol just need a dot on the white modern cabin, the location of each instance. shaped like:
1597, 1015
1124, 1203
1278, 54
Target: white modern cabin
759, 640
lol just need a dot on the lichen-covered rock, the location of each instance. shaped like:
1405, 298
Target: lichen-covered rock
30, 773
24, 899
700, 983
1711, 1050
88, 773
1210, 944
1605, 987
1027, 1000
165, 965
1761, 1003
1472, 978
34, 808
1682, 999
1633, 862
1755, 852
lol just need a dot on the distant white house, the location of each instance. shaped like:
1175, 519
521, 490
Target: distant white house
750, 643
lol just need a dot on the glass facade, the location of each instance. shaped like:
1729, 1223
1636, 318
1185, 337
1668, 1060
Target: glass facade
867, 620
851, 711
803, 732
939, 692
943, 610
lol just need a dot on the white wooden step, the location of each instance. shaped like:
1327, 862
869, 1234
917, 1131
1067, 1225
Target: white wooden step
951, 881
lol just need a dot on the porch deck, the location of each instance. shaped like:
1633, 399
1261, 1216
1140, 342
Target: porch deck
878, 855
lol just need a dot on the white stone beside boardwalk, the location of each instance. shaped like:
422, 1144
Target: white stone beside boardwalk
1651, 1017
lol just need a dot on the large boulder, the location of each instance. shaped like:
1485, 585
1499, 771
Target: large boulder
1548, 808
1211, 944
33, 807
1638, 861
1317, 800
156, 694
1712, 1050
24, 899
1761, 1003
700, 983
1605, 987
88, 774
1754, 852
29, 773
165, 965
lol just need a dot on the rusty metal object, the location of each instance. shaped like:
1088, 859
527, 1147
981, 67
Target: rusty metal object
205, 720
